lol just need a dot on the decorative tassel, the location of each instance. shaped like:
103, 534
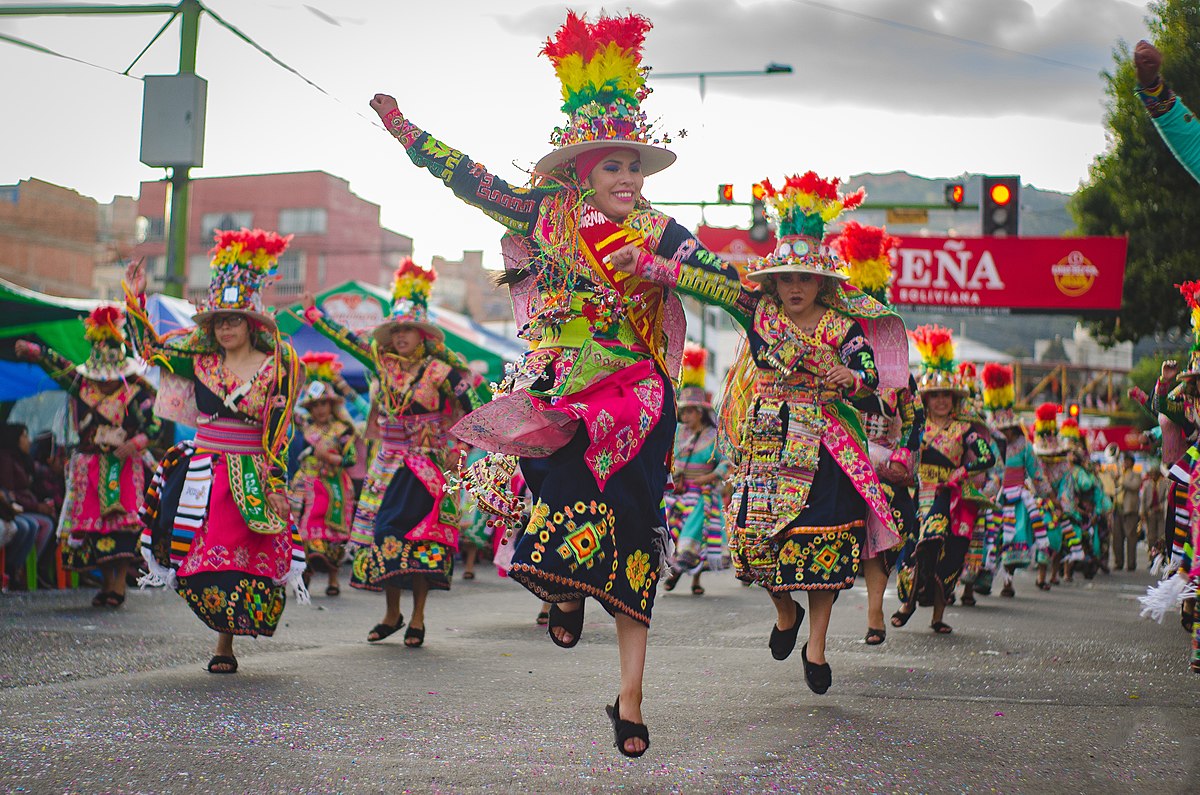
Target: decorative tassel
295, 582
1164, 597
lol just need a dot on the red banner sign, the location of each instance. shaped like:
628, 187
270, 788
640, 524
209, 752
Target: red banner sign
1068, 275
1125, 437
1043, 274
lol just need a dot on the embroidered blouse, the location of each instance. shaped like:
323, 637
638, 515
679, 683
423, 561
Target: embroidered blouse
130, 408
957, 450
895, 419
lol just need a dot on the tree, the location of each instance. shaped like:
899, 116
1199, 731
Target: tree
1137, 189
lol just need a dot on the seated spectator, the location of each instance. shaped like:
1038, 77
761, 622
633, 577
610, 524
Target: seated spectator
32, 516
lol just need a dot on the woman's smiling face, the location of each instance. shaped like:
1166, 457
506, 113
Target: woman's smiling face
617, 184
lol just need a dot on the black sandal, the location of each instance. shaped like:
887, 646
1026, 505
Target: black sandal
113, 599
672, 580
221, 659
941, 627
624, 730
968, 601
332, 590
100, 599
1008, 592
698, 590
572, 622
414, 633
543, 618
381, 631
818, 677
783, 641
876, 636
468, 575
900, 618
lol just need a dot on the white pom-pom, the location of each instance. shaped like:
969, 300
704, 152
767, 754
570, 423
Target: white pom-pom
1164, 597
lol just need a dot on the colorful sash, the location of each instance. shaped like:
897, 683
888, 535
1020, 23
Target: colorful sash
244, 456
109, 484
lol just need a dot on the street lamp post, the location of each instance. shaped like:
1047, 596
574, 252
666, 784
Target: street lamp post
770, 69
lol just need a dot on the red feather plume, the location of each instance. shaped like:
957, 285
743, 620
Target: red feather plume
1047, 412
997, 376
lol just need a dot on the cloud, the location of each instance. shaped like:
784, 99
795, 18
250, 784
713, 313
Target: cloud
976, 57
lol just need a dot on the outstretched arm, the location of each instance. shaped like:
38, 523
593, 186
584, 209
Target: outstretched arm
344, 338
57, 366
516, 208
1178, 126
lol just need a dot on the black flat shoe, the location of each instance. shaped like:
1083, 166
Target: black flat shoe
114, 599
221, 659
100, 599
876, 636
900, 618
672, 580
572, 622
941, 627
414, 634
381, 631
818, 677
783, 641
624, 730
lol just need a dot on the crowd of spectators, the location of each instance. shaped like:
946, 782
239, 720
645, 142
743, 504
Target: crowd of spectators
32, 489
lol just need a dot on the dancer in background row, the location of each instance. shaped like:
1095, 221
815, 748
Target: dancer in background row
406, 526
696, 503
322, 493
218, 525
953, 449
893, 417
112, 411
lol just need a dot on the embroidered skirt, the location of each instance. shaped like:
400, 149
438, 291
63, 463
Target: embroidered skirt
398, 501
100, 522
935, 560
696, 519
607, 543
820, 549
324, 523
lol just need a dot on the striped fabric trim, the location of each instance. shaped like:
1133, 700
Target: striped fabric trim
230, 436
193, 506
413, 427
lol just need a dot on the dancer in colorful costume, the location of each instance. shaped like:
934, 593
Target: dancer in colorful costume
892, 417
1175, 123
1176, 399
1083, 548
591, 410
695, 504
1061, 516
406, 526
806, 501
112, 411
952, 450
1022, 524
218, 527
322, 494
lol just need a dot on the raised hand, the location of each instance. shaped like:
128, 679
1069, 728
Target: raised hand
1170, 369
1147, 62
383, 104
26, 349
135, 276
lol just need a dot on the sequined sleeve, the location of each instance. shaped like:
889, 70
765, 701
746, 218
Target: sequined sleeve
977, 452
1171, 404
856, 354
60, 369
1178, 126
516, 208
344, 338
681, 262
912, 417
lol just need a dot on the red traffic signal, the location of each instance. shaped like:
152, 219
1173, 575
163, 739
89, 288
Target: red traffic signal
1000, 195
1073, 411
955, 194
725, 194
1000, 210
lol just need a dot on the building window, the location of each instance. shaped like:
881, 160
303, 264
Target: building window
321, 270
150, 230
302, 221
230, 222
198, 272
291, 273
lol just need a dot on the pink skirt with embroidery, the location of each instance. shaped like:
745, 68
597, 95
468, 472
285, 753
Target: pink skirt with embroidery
81, 510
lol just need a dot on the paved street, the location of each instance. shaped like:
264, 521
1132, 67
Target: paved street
1061, 692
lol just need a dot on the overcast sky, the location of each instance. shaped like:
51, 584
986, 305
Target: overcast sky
934, 87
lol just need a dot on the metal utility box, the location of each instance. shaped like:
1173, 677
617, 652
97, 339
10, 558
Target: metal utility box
173, 120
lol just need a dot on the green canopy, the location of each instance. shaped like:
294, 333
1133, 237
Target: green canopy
57, 321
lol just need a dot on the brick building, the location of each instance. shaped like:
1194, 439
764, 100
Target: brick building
337, 235
468, 288
54, 240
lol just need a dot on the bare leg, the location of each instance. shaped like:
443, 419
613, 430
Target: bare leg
333, 575
696, 589
391, 616
820, 608
785, 609
939, 602
470, 555
567, 637
631, 647
224, 649
876, 577
117, 585
420, 592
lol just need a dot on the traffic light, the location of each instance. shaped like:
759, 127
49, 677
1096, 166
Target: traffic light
1000, 208
724, 194
955, 193
760, 230
1073, 411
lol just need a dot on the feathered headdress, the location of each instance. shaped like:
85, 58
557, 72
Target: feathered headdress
1046, 420
108, 359
243, 263
1070, 429
935, 344
692, 377
866, 253
322, 369
603, 85
1191, 293
411, 289
800, 210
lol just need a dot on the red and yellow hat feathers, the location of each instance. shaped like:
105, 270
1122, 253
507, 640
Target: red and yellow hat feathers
104, 324
806, 203
598, 61
253, 249
1046, 420
695, 363
998, 387
1070, 429
321, 365
866, 255
936, 345
412, 282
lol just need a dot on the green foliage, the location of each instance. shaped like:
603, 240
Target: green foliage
1143, 375
1137, 188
